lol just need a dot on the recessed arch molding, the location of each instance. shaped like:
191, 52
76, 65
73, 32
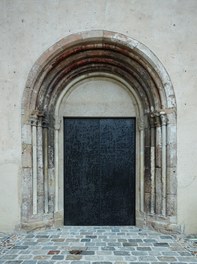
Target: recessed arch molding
99, 53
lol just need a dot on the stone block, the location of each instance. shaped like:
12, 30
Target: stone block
171, 205
26, 134
171, 181
171, 155
26, 155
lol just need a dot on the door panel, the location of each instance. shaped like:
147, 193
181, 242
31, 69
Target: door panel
117, 171
81, 185
99, 169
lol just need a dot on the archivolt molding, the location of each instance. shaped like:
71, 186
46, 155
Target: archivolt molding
83, 54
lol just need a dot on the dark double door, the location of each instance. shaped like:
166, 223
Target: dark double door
99, 171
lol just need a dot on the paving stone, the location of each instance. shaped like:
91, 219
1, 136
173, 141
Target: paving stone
30, 243
150, 240
20, 247
87, 253
122, 240
191, 259
113, 258
13, 262
9, 257
141, 262
61, 262
72, 240
105, 252
42, 236
102, 262
160, 262
85, 240
184, 253
25, 252
140, 253
25, 257
108, 248
129, 244
80, 262
45, 262
30, 262
166, 258
39, 252
115, 244
73, 257
58, 240
90, 244
166, 237
100, 244
57, 257
53, 252
30, 236
144, 248
161, 245
130, 258
170, 253
180, 262
153, 253
41, 257
147, 258
121, 253
95, 258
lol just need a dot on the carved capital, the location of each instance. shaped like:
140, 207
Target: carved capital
33, 121
45, 122
152, 120
164, 119
157, 121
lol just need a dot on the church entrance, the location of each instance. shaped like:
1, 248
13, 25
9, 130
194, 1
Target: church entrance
99, 171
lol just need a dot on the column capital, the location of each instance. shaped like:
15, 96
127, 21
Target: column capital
163, 118
152, 120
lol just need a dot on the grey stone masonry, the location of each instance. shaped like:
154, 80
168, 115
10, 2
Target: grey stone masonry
96, 245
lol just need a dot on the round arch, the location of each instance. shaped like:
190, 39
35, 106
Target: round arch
79, 56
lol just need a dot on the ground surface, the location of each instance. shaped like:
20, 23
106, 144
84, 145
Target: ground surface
94, 245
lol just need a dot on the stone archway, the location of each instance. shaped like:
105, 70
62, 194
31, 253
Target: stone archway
125, 59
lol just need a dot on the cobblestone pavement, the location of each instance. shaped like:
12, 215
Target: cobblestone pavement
96, 245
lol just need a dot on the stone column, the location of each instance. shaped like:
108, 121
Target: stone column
158, 165
57, 128
163, 129
51, 167
40, 166
141, 163
152, 162
34, 124
45, 149
147, 167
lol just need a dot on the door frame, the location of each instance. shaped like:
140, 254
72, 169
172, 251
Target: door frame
111, 54
139, 206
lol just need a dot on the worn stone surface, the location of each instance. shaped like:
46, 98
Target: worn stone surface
115, 245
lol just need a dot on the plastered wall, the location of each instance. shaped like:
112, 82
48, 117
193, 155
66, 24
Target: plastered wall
29, 27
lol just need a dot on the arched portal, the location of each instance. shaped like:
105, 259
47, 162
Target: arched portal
124, 60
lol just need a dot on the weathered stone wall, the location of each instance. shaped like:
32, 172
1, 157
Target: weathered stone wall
28, 28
